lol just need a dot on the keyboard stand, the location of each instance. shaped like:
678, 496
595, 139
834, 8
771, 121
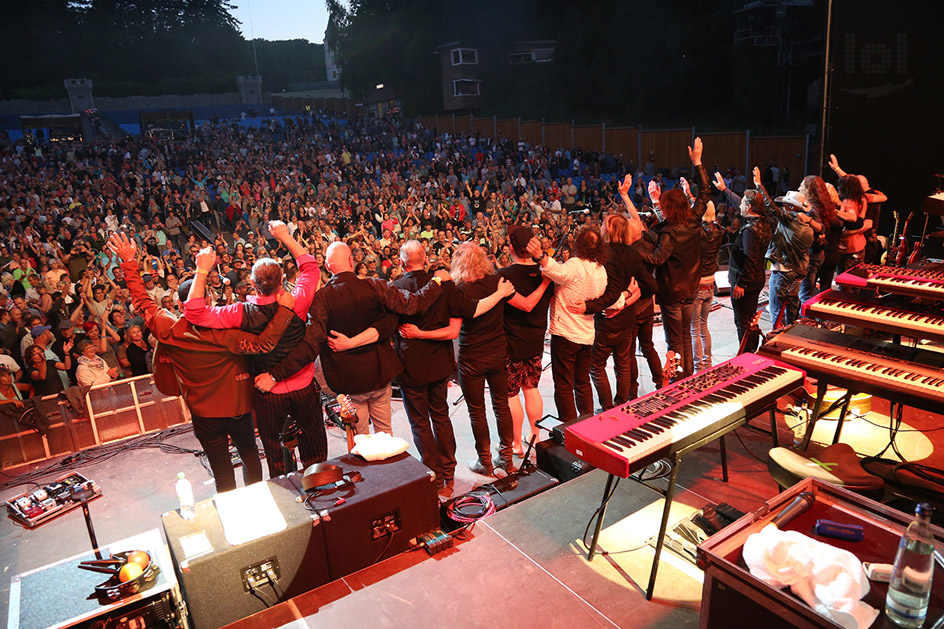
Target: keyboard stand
669, 492
818, 413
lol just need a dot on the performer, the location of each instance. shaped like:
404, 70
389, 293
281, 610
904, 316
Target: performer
581, 278
424, 344
208, 369
293, 396
616, 334
525, 322
677, 257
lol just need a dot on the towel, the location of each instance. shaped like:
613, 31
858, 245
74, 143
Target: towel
828, 579
378, 446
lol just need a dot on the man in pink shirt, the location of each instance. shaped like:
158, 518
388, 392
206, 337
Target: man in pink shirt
297, 395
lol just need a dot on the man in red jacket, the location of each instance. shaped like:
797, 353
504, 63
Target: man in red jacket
209, 369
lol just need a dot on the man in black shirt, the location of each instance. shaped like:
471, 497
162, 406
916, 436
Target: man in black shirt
525, 325
424, 345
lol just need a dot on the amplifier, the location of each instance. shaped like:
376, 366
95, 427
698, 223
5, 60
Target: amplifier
214, 574
394, 503
554, 459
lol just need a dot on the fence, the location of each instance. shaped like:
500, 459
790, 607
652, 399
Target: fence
737, 149
116, 411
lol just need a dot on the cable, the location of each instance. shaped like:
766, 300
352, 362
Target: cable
251, 582
390, 533
598, 513
746, 449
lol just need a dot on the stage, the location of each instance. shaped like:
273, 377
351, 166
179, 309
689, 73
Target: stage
525, 565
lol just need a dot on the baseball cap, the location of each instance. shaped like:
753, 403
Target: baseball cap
147, 277
39, 330
519, 237
65, 325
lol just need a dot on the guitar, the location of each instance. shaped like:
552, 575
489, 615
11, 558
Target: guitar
348, 415
916, 251
752, 328
902, 253
671, 369
891, 250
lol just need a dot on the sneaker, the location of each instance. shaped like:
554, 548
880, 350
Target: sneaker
506, 466
445, 493
479, 467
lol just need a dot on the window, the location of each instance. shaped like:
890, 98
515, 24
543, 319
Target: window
465, 56
465, 87
538, 55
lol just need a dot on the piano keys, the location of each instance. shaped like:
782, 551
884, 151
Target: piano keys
625, 439
926, 283
908, 375
880, 314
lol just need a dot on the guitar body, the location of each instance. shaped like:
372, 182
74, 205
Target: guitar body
671, 368
348, 417
902, 254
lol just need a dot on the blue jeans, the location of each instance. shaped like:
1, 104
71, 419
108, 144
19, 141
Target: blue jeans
785, 294
701, 336
808, 287
677, 324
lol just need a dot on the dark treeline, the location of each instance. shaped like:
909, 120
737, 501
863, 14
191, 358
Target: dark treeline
130, 47
639, 60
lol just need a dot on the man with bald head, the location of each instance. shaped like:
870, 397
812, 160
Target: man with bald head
424, 345
350, 325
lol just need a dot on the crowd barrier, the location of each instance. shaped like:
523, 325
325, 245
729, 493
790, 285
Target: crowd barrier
115, 411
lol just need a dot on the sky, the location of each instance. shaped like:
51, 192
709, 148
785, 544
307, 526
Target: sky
282, 19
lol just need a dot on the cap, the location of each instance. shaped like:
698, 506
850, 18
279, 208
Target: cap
65, 325
39, 330
147, 277
519, 237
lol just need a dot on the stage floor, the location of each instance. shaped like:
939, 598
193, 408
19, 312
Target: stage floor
522, 566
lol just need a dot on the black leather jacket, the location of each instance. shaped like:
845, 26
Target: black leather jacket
677, 255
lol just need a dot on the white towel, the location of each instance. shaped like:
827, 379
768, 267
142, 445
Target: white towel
828, 579
378, 446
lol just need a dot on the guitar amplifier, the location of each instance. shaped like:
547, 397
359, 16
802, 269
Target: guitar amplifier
380, 516
554, 459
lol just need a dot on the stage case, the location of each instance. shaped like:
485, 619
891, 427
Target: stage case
57, 595
731, 591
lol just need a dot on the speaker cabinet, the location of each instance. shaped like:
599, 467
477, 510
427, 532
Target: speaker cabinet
555, 460
213, 582
395, 502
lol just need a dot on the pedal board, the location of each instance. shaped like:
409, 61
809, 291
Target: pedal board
49, 501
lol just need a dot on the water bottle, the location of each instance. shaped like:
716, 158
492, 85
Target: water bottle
910, 587
188, 509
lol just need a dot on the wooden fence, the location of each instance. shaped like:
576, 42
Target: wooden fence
736, 149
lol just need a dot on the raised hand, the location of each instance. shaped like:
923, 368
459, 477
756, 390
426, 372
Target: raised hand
756, 174
719, 182
833, 162
124, 247
279, 230
654, 193
626, 185
694, 152
685, 187
206, 259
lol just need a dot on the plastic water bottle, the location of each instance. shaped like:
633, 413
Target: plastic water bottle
910, 587
188, 509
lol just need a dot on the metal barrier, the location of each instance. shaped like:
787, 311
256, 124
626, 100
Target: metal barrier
115, 411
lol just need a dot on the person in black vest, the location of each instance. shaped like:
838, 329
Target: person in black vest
424, 345
294, 393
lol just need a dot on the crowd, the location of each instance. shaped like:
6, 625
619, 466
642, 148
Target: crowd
330, 211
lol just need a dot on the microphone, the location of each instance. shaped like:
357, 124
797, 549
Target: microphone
800, 504
583, 211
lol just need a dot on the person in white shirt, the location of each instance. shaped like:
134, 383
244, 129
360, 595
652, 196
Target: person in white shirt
581, 278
